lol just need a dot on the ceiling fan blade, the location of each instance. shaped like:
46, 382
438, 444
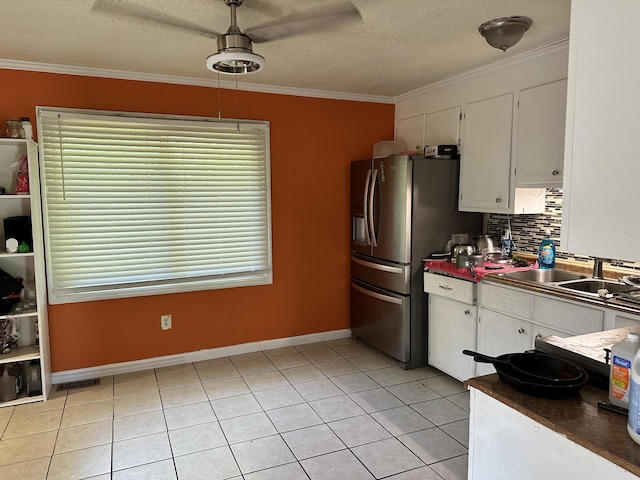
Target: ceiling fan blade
304, 22
127, 9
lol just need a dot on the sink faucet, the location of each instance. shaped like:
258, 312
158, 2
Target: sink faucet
597, 267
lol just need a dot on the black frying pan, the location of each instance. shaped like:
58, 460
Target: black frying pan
536, 367
517, 379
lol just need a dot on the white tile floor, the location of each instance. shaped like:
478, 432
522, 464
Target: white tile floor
330, 410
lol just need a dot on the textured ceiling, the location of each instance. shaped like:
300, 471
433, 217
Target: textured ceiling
399, 46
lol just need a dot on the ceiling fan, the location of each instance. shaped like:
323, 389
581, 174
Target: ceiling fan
235, 53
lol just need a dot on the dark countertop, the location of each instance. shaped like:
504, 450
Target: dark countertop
578, 418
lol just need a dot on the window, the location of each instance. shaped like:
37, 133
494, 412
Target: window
138, 204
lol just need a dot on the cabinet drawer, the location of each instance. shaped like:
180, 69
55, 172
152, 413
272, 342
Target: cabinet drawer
574, 319
449, 287
505, 300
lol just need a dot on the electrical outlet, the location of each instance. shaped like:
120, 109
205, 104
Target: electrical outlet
165, 321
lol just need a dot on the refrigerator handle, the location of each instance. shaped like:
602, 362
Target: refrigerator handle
378, 296
377, 266
372, 194
367, 184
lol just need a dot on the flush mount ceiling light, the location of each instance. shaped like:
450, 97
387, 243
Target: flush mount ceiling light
235, 53
504, 32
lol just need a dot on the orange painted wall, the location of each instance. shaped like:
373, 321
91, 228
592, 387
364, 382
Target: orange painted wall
312, 143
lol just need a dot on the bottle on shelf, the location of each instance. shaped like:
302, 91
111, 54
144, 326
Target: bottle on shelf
27, 128
547, 251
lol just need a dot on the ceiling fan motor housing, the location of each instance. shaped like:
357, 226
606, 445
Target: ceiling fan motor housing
234, 42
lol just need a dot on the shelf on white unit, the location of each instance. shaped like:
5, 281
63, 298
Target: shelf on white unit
23, 398
22, 354
14, 196
17, 254
30, 313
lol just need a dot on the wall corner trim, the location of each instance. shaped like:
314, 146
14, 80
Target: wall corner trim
208, 354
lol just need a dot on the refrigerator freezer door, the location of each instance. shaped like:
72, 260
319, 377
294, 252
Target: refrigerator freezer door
386, 275
382, 319
391, 208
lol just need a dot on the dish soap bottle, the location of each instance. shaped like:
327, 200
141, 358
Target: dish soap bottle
547, 251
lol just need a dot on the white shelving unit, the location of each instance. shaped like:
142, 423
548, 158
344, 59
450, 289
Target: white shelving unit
28, 266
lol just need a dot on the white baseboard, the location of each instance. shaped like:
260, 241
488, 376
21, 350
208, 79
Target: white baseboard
169, 360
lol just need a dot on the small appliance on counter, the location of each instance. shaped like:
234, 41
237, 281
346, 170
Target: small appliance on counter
440, 151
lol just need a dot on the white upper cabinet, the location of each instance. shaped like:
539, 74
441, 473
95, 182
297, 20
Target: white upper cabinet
486, 155
602, 168
443, 127
539, 145
438, 128
410, 131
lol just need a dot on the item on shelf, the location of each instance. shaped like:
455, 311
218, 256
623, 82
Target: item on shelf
11, 245
34, 379
10, 290
13, 129
24, 247
11, 381
9, 335
27, 128
22, 180
18, 227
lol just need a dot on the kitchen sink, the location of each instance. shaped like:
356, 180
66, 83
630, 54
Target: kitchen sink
592, 285
540, 275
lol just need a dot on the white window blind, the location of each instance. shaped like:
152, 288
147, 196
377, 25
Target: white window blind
139, 205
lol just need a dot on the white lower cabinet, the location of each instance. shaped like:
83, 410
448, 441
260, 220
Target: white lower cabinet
499, 333
452, 328
510, 319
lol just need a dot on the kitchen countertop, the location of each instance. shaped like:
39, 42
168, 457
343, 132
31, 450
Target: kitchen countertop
448, 268
483, 274
578, 418
550, 289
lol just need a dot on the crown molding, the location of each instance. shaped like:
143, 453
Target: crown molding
177, 80
557, 47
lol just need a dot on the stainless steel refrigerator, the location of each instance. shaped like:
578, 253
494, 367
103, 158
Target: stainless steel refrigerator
403, 209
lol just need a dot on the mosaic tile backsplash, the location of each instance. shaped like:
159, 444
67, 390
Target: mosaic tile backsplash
528, 230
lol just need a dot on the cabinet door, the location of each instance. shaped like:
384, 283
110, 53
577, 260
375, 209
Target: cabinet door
602, 143
539, 145
411, 132
499, 334
485, 165
443, 127
452, 328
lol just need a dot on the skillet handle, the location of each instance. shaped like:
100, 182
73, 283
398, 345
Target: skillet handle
479, 357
